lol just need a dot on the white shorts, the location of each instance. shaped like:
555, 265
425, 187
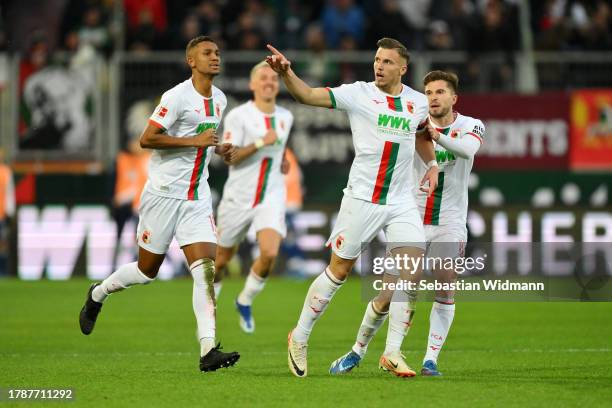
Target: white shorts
443, 241
234, 220
446, 241
162, 218
359, 221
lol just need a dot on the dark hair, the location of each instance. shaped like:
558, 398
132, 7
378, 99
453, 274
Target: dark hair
392, 44
450, 78
195, 41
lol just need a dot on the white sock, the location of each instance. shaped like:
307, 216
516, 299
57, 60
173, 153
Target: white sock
252, 286
401, 311
203, 272
217, 286
372, 320
127, 275
440, 321
320, 293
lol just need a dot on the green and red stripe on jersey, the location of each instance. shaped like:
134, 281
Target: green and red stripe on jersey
395, 104
434, 202
270, 122
332, 98
262, 181
196, 173
475, 135
208, 107
444, 131
385, 172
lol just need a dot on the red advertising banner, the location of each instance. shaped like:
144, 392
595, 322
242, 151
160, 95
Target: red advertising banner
523, 132
591, 130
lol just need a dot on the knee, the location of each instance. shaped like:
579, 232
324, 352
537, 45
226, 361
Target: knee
268, 255
340, 271
150, 271
445, 296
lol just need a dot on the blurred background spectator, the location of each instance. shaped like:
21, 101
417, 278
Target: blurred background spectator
342, 19
7, 211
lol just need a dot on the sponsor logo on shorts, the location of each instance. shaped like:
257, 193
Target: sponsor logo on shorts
146, 237
227, 136
339, 242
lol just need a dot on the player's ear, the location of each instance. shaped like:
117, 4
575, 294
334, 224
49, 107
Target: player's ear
455, 97
190, 60
403, 69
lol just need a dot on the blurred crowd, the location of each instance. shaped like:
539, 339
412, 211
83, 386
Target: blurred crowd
470, 25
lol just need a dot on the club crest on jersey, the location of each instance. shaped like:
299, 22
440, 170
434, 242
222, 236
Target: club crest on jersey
455, 133
146, 237
161, 112
339, 242
410, 106
218, 109
282, 124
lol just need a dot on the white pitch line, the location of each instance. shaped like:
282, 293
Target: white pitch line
183, 353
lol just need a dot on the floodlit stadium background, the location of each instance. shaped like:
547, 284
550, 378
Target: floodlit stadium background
78, 79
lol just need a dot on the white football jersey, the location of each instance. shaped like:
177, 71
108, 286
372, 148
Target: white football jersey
448, 204
183, 112
383, 129
258, 178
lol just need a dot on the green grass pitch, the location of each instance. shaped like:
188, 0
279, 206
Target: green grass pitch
143, 351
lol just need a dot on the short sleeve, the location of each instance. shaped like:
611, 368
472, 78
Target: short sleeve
477, 130
343, 96
167, 112
222, 105
233, 129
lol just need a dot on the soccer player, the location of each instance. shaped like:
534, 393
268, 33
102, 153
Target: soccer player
254, 192
444, 214
176, 201
384, 116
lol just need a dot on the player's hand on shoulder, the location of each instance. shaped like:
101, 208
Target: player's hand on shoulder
207, 138
433, 133
270, 137
429, 182
428, 132
277, 61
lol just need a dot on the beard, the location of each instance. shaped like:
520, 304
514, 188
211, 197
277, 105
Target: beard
442, 113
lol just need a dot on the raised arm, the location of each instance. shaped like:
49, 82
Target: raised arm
155, 137
296, 87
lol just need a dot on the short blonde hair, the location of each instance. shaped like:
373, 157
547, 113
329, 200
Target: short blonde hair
257, 67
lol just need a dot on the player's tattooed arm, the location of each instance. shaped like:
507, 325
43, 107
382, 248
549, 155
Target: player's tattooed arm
154, 137
424, 145
296, 87
425, 149
247, 151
